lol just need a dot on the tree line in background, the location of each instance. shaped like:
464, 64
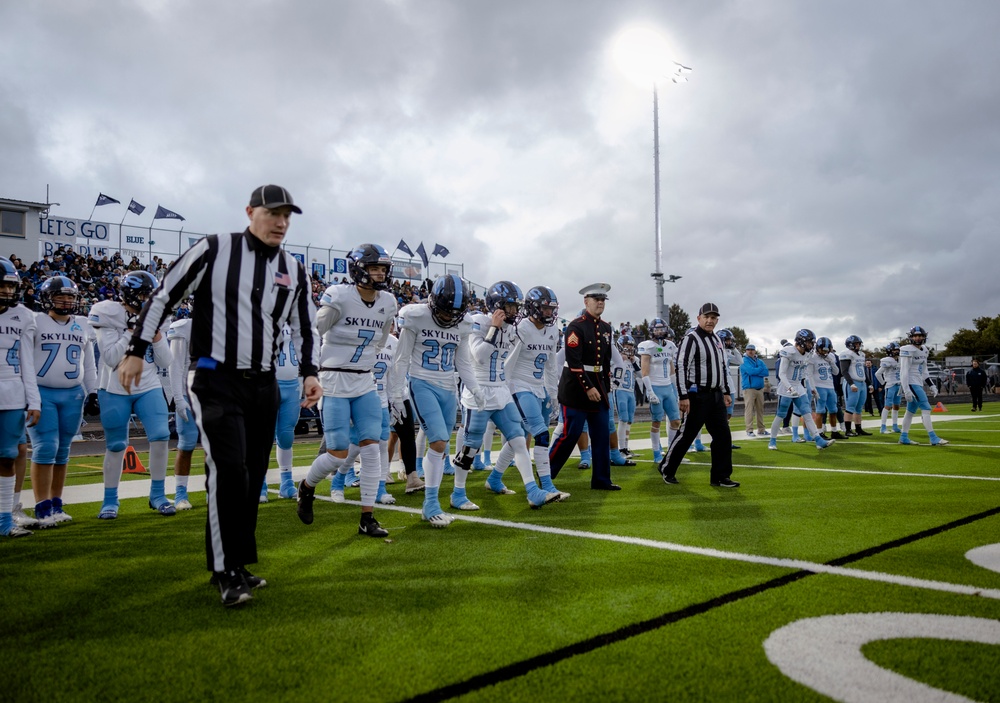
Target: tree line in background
981, 342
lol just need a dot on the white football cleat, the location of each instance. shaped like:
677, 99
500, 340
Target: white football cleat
23, 520
337, 496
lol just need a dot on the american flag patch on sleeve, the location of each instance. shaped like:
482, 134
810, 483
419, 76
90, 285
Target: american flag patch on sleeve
283, 279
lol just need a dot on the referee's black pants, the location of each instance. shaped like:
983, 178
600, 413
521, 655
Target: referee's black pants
708, 409
236, 414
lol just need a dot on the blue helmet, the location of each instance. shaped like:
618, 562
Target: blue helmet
10, 283
58, 285
805, 338
136, 288
542, 305
824, 346
658, 328
501, 296
853, 343
918, 331
449, 299
728, 340
365, 255
892, 349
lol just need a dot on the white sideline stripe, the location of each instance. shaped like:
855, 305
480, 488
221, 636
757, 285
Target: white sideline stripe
859, 471
794, 564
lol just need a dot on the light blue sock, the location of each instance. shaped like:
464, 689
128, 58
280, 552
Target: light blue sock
286, 475
586, 455
111, 496
157, 490
616, 457
486, 456
420, 463
795, 434
547, 484
432, 506
381, 490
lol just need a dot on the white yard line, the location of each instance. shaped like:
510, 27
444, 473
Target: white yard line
794, 564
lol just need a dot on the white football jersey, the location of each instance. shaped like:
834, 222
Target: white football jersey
350, 345
795, 372
179, 339
490, 363
662, 357
857, 365
380, 372
64, 353
624, 373
286, 362
890, 371
531, 366
110, 320
430, 352
733, 358
823, 369
912, 365
18, 380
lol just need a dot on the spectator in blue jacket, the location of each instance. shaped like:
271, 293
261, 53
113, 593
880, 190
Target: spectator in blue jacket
753, 371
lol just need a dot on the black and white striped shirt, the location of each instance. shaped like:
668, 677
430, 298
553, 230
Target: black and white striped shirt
244, 292
701, 364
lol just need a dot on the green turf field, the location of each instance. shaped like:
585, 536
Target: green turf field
843, 571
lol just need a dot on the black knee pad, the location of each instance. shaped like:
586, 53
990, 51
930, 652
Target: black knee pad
542, 439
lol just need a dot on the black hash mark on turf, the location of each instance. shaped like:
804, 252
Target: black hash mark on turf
517, 669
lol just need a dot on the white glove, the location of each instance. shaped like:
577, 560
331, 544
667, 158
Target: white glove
908, 396
555, 413
182, 409
654, 399
479, 398
647, 384
934, 390
397, 412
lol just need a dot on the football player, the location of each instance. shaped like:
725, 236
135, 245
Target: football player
67, 374
113, 322
852, 368
913, 378
286, 372
355, 321
624, 377
733, 357
18, 388
823, 365
657, 357
795, 371
432, 352
492, 340
179, 339
888, 375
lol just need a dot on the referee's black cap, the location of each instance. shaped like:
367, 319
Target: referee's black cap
273, 197
709, 309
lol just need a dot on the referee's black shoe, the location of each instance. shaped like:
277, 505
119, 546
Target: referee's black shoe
232, 587
369, 526
724, 483
254, 582
861, 433
305, 496
672, 480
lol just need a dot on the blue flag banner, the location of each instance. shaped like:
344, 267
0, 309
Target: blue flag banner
440, 251
422, 253
403, 247
163, 213
103, 199
136, 207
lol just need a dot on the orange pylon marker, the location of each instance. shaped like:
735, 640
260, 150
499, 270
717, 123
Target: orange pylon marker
132, 465
940, 408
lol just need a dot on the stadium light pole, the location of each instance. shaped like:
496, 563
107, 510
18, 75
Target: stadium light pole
645, 56
678, 76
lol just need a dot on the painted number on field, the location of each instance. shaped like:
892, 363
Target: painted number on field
824, 653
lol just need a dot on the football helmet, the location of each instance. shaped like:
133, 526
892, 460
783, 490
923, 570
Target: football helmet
805, 338
728, 340
541, 304
918, 331
59, 286
136, 287
364, 256
10, 283
506, 296
626, 345
892, 349
824, 346
853, 343
658, 328
449, 299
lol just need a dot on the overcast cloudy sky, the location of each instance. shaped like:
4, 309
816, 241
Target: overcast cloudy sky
830, 165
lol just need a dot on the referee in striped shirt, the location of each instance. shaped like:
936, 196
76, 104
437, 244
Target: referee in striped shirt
245, 289
703, 385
